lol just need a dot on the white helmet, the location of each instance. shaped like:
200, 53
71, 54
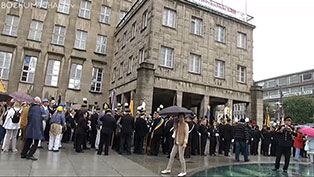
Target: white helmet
247, 120
126, 105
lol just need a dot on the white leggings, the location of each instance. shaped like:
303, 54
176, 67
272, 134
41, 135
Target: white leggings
174, 152
10, 135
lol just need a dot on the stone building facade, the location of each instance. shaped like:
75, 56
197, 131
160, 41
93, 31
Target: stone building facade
52, 48
173, 52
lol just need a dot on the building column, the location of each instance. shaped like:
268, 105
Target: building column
179, 97
145, 86
230, 105
257, 105
204, 106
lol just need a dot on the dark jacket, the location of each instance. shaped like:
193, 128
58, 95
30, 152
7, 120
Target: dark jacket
212, 130
195, 130
160, 130
256, 135
34, 128
221, 130
266, 136
204, 131
82, 127
141, 128
227, 132
285, 138
240, 132
127, 124
94, 122
168, 128
108, 124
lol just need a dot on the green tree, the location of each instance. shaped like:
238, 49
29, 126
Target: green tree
299, 108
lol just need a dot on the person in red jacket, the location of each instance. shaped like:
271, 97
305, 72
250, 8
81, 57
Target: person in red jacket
298, 144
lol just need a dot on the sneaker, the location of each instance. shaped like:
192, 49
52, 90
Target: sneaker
275, 169
166, 171
182, 174
15, 151
31, 158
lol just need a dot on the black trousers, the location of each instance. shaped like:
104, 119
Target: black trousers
29, 149
138, 144
227, 146
254, 147
286, 151
125, 141
273, 148
104, 139
155, 144
93, 135
79, 139
212, 147
203, 144
221, 146
194, 144
265, 149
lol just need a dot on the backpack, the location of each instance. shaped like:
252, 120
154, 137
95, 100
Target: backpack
16, 116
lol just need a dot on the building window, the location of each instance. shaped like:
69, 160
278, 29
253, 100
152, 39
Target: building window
85, 9
80, 40
144, 19
101, 45
219, 69
75, 76
294, 79
122, 15
64, 6
58, 35
29, 68
105, 16
130, 65
220, 34
241, 74
19, 1
197, 25
195, 64
96, 84
166, 58
11, 25
307, 77
242, 40
121, 70
169, 18
124, 38
283, 81
295, 90
114, 74
42, 4
5, 63
53, 69
142, 55
308, 88
35, 30
133, 32
271, 83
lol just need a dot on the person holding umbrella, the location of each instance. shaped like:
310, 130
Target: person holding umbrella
181, 136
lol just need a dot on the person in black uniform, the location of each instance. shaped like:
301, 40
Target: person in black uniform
195, 137
274, 141
81, 130
256, 135
213, 132
94, 123
127, 128
188, 148
168, 135
157, 132
204, 134
117, 116
227, 136
141, 129
266, 136
221, 128
285, 142
108, 127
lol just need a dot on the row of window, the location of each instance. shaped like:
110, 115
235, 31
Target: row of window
53, 71
195, 62
304, 90
284, 81
64, 6
58, 37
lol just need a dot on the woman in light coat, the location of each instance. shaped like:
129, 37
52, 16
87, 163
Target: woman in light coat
181, 136
11, 128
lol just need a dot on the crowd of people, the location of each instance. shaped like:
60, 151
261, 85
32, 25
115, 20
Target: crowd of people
119, 130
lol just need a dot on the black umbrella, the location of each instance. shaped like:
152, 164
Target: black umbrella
4, 97
175, 110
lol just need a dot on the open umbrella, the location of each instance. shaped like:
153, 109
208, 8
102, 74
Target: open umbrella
4, 97
307, 131
22, 97
174, 110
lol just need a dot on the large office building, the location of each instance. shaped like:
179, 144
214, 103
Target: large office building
191, 53
52, 48
295, 84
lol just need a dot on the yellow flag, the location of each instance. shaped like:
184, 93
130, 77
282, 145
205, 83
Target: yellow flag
131, 107
2, 89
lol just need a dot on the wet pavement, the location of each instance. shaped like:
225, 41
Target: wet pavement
68, 163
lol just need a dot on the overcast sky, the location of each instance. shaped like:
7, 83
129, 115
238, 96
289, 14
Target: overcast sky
284, 35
